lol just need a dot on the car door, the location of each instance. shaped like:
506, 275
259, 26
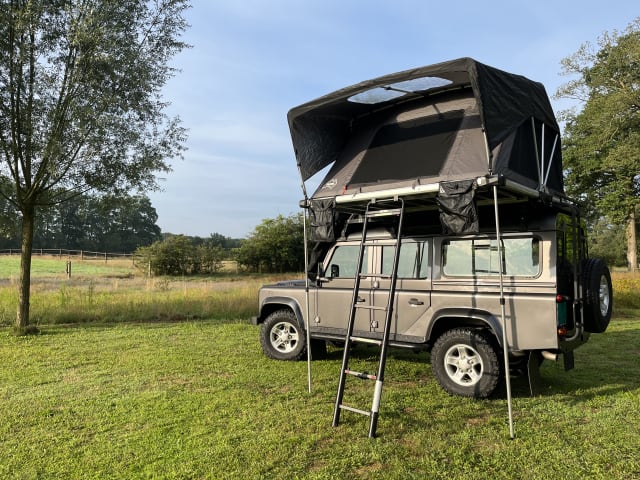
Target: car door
333, 297
413, 288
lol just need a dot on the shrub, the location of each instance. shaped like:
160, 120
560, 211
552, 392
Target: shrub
177, 255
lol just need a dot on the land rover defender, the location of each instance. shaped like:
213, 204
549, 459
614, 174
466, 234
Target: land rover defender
492, 248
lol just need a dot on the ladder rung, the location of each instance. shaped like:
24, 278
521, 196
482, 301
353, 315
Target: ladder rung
375, 275
367, 275
371, 307
384, 213
362, 375
366, 340
355, 410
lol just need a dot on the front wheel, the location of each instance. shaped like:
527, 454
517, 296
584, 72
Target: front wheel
465, 362
281, 337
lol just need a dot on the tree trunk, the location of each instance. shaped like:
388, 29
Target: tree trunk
632, 256
22, 319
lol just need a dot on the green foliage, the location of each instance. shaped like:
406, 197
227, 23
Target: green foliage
179, 255
81, 86
602, 141
107, 223
607, 241
276, 245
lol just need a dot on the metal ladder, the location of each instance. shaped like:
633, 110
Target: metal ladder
375, 209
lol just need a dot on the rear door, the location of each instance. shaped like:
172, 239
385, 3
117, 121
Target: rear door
413, 288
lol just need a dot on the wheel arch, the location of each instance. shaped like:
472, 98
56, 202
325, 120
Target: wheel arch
272, 304
451, 318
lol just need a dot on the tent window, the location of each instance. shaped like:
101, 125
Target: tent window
399, 89
412, 149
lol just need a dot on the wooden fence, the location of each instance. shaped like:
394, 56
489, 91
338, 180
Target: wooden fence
65, 253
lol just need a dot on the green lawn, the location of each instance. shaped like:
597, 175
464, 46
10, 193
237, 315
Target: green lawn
199, 400
53, 266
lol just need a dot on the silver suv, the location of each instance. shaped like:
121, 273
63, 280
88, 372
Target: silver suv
494, 255
446, 299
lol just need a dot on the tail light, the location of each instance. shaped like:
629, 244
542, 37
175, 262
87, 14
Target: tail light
561, 301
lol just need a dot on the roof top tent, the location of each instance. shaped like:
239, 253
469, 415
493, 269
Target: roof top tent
444, 137
411, 133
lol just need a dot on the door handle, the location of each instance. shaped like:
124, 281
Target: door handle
415, 302
360, 300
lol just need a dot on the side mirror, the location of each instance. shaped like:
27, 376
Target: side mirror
320, 279
335, 271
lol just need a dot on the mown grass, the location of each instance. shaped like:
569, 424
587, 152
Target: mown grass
199, 400
127, 394
56, 266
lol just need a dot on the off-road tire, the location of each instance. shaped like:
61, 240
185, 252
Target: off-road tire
466, 362
281, 336
598, 295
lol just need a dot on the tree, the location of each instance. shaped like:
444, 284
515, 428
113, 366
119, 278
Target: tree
607, 241
276, 245
128, 222
602, 142
81, 106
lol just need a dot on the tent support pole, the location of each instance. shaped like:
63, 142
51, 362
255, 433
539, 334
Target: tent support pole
505, 346
535, 145
306, 275
553, 151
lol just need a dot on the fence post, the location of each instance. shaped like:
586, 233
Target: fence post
68, 268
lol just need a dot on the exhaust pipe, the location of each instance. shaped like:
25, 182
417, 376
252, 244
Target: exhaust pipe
552, 357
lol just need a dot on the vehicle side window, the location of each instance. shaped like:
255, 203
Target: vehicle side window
344, 262
479, 257
413, 261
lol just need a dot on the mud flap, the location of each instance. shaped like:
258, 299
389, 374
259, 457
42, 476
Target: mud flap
568, 361
533, 373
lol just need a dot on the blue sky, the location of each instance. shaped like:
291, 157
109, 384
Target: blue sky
253, 60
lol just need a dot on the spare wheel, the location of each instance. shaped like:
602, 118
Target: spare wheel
598, 295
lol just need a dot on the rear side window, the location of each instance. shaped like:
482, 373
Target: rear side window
413, 261
479, 257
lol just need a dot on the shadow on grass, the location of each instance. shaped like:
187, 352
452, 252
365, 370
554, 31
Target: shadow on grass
603, 367
59, 329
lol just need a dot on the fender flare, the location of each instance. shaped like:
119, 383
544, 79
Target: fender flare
285, 302
468, 317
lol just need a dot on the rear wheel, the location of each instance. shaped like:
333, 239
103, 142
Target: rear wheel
465, 362
598, 295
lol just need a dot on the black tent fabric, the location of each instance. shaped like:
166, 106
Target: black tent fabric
431, 124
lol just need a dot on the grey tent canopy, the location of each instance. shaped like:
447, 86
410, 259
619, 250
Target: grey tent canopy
450, 121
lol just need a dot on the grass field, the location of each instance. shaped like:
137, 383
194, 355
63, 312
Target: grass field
197, 399
115, 291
